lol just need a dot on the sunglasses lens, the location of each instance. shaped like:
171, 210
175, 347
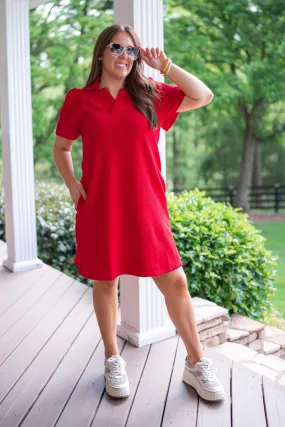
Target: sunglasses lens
116, 48
133, 52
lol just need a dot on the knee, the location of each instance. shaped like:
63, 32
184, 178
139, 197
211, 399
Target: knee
178, 287
107, 286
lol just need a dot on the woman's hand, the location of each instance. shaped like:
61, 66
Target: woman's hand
155, 58
76, 189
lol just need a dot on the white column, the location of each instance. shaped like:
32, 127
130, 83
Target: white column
143, 317
16, 118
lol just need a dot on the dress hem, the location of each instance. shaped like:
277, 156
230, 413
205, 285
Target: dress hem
157, 273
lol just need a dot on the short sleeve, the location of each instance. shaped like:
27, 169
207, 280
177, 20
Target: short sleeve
68, 125
171, 98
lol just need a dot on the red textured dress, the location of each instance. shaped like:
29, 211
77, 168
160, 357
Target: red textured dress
123, 226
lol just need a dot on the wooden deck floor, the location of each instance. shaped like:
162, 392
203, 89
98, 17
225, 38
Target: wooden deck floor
52, 361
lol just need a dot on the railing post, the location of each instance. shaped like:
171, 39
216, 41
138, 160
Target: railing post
231, 194
277, 197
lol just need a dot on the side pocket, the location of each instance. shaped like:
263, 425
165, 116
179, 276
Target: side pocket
80, 203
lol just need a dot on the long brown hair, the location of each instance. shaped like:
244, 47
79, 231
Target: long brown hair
141, 89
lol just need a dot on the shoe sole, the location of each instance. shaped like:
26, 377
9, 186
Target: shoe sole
189, 379
117, 392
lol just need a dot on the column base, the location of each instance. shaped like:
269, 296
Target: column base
16, 267
139, 339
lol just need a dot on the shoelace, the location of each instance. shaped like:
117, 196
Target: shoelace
117, 368
205, 366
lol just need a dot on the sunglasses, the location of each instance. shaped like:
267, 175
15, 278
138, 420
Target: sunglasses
116, 50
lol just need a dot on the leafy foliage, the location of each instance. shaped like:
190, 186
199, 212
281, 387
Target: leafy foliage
55, 217
237, 49
223, 254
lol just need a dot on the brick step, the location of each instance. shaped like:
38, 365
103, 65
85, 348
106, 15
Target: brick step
215, 328
212, 321
257, 336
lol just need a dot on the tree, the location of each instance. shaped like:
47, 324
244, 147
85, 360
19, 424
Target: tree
242, 45
62, 40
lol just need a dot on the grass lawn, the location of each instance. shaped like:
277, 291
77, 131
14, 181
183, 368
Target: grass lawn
275, 235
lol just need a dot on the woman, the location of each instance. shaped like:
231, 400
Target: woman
122, 221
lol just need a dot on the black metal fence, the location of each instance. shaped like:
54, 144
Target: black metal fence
271, 197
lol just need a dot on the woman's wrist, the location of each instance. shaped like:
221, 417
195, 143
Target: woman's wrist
70, 181
168, 68
164, 65
165, 69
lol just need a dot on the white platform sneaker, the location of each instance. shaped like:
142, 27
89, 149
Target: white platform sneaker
203, 378
117, 382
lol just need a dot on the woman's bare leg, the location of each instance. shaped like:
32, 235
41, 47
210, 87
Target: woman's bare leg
180, 308
105, 301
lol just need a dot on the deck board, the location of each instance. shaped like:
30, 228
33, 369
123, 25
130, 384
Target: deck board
116, 413
274, 402
217, 414
182, 401
32, 341
32, 323
52, 340
49, 405
52, 368
85, 401
151, 391
247, 397
22, 305
14, 285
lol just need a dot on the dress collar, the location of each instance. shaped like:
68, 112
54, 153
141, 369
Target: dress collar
94, 85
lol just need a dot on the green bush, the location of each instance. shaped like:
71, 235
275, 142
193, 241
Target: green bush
223, 254
55, 228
